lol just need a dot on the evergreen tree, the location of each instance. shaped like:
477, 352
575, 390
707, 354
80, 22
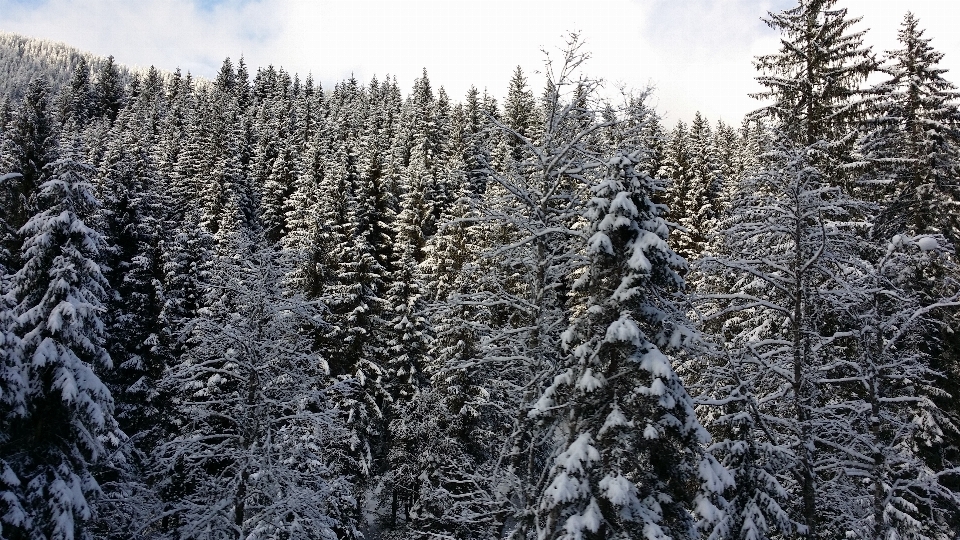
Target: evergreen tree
909, 153
29, 147
702, 197
911, 146
784, 315
895, 420
65, 426
813, 81
677, 168
519, 114
108, 91
226, 80
77, 100
308, 227
630, 463
354, 294
129, 214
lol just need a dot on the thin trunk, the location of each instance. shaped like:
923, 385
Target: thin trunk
879, 462
239, 503
801, 391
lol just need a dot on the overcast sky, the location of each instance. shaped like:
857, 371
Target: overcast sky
697, 53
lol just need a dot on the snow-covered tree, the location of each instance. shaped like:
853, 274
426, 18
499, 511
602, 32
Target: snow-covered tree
28, 147
256, 453
696, 196
677, 168
894, 419
911, 147
108, 91
64, 427
783, 315
631, 461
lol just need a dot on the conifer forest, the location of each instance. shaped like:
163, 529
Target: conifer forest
253, 308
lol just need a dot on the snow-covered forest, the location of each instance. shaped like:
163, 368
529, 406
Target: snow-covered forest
255, 308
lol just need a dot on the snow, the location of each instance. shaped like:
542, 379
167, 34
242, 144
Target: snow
656, 363
618, 490
645, 242
615, 419
623, 202
638, 260
8, 477
590, 520
589, 382
715, 476
927, 243
67, 384
599, 242
46, 352
580, 452
564, 488
623, 329
545, 402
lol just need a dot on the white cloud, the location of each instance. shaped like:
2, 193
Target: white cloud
697, 52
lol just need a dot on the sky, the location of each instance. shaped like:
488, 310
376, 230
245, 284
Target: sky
697, 54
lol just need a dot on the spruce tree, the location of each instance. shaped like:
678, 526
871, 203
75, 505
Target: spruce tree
631, 461
911, 147
65, 427
702, 197
784, 314
108, 91
677, 168
28, 148
812, 85
813, 82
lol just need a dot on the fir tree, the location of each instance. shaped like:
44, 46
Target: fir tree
911, 147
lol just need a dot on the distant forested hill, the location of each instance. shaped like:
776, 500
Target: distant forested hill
23, 59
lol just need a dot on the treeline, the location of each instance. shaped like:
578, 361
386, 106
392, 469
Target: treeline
253, 308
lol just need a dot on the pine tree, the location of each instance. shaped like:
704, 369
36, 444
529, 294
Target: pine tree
130, 217
813, 81
355, 292
895, 420
108, 91
65, 426
702, 198
798, 211
78, 99
519, 114
911, 147
226, 80
29, 146
677, 168
407, 339
631, 461
784, 316
308, 226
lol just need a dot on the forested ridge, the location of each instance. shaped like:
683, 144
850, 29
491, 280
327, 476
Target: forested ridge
255, 308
